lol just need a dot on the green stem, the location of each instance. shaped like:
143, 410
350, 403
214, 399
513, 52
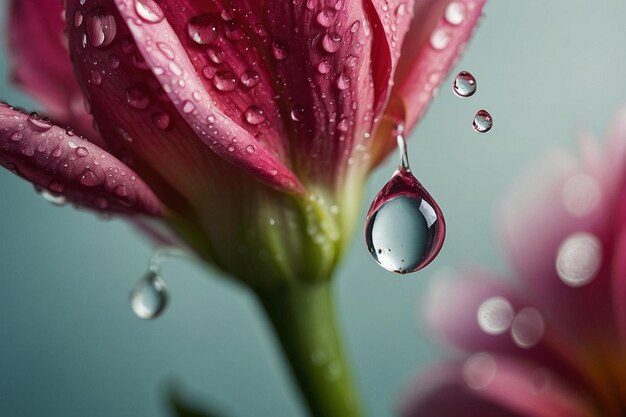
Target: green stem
305, 323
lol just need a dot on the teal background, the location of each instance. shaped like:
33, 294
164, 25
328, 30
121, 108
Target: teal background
70, 346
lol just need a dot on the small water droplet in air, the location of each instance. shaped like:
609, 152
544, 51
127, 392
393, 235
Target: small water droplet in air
149, 11
279, 50
161, 120
464, 84
202, 29
101, 27
39, 124
331, 42
254, 115
224, 81
136, 96
455, 13
249, 78
482, 121
149, 297
578, 259
404, 228
326, 17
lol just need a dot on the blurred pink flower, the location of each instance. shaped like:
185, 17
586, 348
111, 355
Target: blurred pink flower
225, 118
552, 342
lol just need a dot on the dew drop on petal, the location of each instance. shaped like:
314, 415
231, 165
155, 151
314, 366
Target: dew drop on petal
404, 228
90, 179
202, 29
101, 27
17, 136
323, 67
136, 96
326, 17
464, 84
297, 113
455, 13
215, 54
331, 42
161, 120
249, 78
149, 297
342, 82
527, 328
38, 124
254, 115
224, 81
578, 259
250, 149
483, 122
149, 11
82, 152
279, 51
440, 38
494, 315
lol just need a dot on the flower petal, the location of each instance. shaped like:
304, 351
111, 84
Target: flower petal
109, 50
41, 65
490, 385
70, 166
436, 39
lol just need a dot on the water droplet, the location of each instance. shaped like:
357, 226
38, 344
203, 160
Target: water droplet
440, 39
464, 84
342, 126
225, 81
161, 120
149, 11
166, 50
202, 29
188, 107
482, 121
331, 42
279, 50
56, 187
114, 61
355, 26
401, 9
149, 297
17, 136
495, 315
578, 259
227, 15
82, 152
101, 27
55, 199
326, 17
137, 97
343, 82
39, 124
323, 67
404, 229
233, 31
297, 114
90, 179
455, 13
95, 77
250, 149
254, 115
249, 78
78, 18
215, 54
527, 328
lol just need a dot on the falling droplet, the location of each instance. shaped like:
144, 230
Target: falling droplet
149, 297
482, 121
404, 229
149, 11
254, 115
202, 29
464, 84
101, 28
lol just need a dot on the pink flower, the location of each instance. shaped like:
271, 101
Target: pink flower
248, 128
553, 342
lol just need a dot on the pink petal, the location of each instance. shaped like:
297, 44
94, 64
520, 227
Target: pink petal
150, 117
491, 385
41, 65
70, 166
476, 311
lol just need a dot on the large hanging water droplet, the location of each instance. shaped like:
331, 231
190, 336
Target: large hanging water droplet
482, 121
405, 228
464, 84
149, 297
